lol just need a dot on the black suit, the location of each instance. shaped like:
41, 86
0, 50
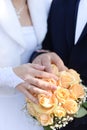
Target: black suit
60, 39
60, 36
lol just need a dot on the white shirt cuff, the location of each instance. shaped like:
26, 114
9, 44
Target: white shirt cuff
8, 78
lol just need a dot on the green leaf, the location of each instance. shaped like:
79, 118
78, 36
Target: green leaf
47, 128
82, 112
84, 104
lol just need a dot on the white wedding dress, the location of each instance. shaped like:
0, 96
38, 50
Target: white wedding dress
13, 115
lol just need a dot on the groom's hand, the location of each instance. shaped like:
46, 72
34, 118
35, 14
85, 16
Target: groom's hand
46, 59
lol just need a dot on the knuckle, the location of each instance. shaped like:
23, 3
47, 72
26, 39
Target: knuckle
25, 77
35, 89
52, 53
41, 74
37, 82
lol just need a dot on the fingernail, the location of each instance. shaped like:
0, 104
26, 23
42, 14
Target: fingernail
54, 87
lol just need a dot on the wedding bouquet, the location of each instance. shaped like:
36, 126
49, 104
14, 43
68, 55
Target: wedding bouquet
67, 102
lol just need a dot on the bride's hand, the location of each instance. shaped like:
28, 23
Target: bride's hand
32, 74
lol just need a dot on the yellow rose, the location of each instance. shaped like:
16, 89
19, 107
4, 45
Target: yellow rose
62, 94
75, 75
47, 101
77, 91
59, 111
68, 78
40, 113
45, 119
39, 109
70, 106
